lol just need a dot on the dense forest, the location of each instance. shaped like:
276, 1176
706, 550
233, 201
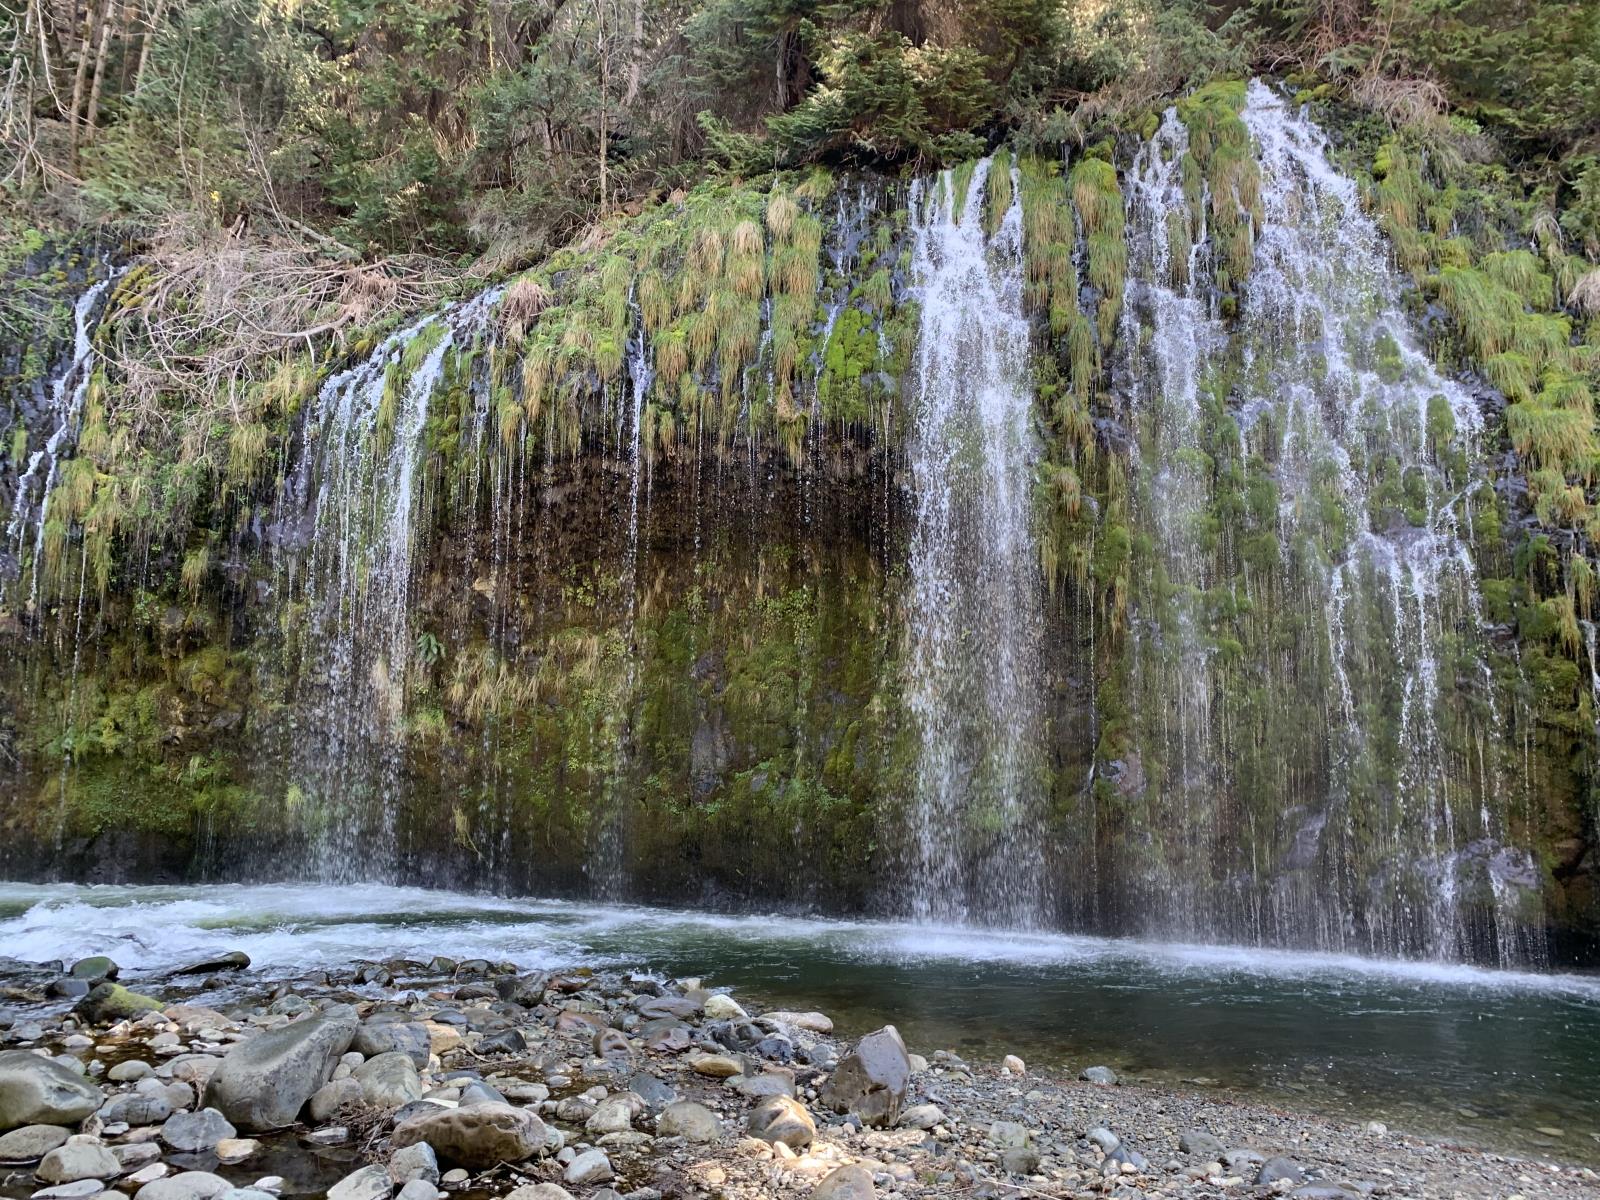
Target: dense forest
646, 629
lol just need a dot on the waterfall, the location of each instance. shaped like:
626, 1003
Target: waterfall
68, 389
1312, 667
364, 449
973, 626
1168, 291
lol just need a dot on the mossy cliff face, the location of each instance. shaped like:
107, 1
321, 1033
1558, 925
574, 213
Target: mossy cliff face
614, 601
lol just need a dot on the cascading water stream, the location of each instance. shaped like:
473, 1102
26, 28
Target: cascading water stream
31, 505
973, 627
1319, 516
365, 446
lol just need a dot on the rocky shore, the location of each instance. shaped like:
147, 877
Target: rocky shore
405, 1080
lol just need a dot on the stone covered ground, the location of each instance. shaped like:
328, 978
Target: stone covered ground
412, 1081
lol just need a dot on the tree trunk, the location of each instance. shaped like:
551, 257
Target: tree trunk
635, 53
144, 46
80, 77
112, 6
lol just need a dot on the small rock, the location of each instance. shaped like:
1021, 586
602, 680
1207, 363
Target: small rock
186, 1185
78, 1160
719, 1007
416, 1161
138, 1108
191, 1133
922, 1116
846, 1183
235, 1150
369, 1183
811, 1022
782, 1119
389, 1080
1013, 1064
419, 1189
615, 1114
592, 1166
690, 1121
30, 1143
129, 1070
94, 969
539, 1191
233, 960
1275, 1169
1020, 1160
335, 1098
718, 1066
455, 1177
80, 1190
1104, 1076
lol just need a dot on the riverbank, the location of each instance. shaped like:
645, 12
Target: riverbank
606, 1083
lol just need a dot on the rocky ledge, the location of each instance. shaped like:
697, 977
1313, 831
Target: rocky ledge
417, 1081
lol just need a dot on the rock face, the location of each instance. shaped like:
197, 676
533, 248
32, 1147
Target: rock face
871, 1080
36, 1091
109, 1002
476, 1137
264, 1083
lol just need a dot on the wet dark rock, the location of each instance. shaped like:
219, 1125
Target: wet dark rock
67, 989
233, 960
654, 1092
505, 1041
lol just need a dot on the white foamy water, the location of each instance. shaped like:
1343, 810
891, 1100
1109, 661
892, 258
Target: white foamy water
292, 927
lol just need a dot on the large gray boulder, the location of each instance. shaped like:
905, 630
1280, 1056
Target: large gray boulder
871, 1080
36, 1091
476, 1137
264, 1083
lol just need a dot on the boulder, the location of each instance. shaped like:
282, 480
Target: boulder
37, 1091
1275, 1169
369, 1183
95, 969
782, 1119
477, 1137
922, 1116
1202, 1145
416, 1161
78, 1159
846, 1183
871, 1080
188, 1185
137, 1108
690, 1121
30, 1143
720, 1007
410, 1038
389, 1080
592, 1166
265, 1082
109, 1002
334, 1098
196, 1132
